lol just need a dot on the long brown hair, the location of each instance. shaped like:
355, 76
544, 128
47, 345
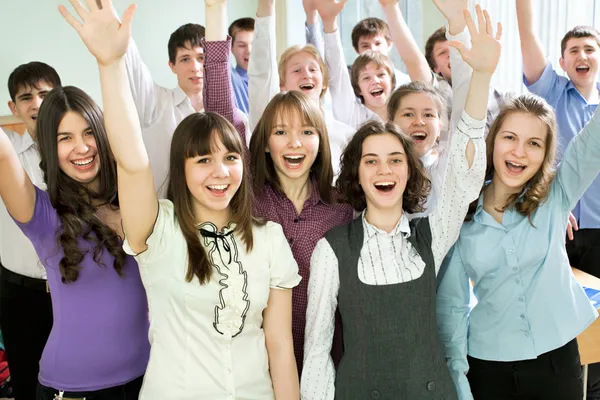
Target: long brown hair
538, 187
286, 105
71, 199
195, 136
348, 184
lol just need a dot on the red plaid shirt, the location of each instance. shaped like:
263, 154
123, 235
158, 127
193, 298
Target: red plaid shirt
303, 230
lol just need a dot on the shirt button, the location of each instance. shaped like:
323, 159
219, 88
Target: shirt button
521, 299
522, 316
517, 281
431, 386
510, 251
296, 219
375, 394
515, 269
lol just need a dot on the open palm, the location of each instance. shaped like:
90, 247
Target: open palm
485, 47
210, 3
452, 9
330, 9
104, 35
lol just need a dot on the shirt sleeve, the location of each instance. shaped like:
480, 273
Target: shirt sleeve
314, 36
318, 374
218, 91
461, 186
263, 75
45, 220
165, 227
546, 84
283, 266
453, 297
581, 163
461, 77
143, 88
346, 107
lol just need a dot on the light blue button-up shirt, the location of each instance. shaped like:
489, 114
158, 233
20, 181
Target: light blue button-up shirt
529, 302
572, 113
239, 80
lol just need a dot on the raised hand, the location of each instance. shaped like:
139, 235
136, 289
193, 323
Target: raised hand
211, 3
453, 11
387, 3
330, 9
485, 48
104, 35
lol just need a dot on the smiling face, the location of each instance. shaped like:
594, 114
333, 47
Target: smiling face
376, 42
302, 72
375, 85
78, 154
27, 104
242, 47
418, 116
189, 68
213, 179
441, 57
383, 172
580, 61
519, 150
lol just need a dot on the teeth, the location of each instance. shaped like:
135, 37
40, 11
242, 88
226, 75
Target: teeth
83, 162
307, 86
294, 157
218, 187
419, 135
515, 164
384, 184
376, 92
583, 67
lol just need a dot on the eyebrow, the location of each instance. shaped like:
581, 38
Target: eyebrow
516, 134
414, 109
395, 153
287, 126
88, 129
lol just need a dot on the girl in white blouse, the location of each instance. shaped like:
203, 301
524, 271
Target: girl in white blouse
218, 281
380, 269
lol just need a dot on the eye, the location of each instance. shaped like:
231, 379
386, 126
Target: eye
535, 144
396, 161
308, 132
203, 160
381, 74
63, 138
509, 137
408, 115
279, 132
233, 157
184, 60
370, 162
88, 133
429, 115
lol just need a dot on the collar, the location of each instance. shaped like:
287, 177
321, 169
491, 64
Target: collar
24, 142
212, 228
401, 228
571, 86
241, 71
179, 96
429, 158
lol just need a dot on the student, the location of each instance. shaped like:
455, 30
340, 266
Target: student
437, 53
531, 353
218, 280
381, 259
242, 33
76, 232
292, 178
300, 68
574, 99
25, 307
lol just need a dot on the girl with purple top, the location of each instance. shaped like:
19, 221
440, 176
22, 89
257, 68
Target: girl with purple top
218, 280
98, 345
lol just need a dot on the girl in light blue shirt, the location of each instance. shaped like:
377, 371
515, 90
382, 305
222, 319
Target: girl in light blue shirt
519, 341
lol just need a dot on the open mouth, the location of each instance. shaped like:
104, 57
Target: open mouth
218, 189
307, 86
84, 163
293, 161
34, 117
377, 93
418, 136
385, 187
582, 69
196, 80
515, 168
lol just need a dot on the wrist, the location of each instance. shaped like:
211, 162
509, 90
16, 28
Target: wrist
330, 26
456, 27
265, 9
311, 17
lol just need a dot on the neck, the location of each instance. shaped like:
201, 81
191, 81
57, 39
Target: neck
31, 133
220, 218
296, 189
385, 220
197, 101
589, 93
497, 193
241, 68
381, 111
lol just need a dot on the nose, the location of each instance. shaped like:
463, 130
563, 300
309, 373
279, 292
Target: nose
196, 65
418, 120
519, 150
250, 49
81, 146
295, 141
37, 101
383, 169
221, 170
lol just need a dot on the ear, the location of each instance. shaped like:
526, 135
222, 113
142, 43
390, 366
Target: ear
561, 61
282, 87
13, 108
172, 66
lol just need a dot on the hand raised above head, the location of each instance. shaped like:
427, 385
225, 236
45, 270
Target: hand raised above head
330, 9
452, 9
386, 3
210, 3
105, 36
485, 47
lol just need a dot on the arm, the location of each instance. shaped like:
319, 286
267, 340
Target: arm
453, 321
414, 59
278, 337
346, 107
318, 374
218, 89
263, 76
107, 40
534, 59
580, 164
466, 164
313, 28
16, 190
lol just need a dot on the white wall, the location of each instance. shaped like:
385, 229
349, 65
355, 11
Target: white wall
34, 30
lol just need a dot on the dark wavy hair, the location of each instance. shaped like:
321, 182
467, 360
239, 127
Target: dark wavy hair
75, 204
417, 186
538, 187
195, 136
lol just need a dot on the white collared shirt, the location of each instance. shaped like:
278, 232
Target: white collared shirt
160, 111
16, 251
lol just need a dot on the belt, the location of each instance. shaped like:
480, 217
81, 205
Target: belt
25, 281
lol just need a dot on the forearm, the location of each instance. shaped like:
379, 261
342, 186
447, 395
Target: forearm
16, 190
216, 22
121, 119
477, 97
414, 60
282, 366
532, 51
265, 8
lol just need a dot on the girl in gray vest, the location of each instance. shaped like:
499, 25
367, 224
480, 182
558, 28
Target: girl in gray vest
380, 270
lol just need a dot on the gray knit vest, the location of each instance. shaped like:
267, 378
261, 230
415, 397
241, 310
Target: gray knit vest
391, 346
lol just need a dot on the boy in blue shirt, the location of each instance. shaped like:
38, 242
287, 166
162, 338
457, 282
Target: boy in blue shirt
242, 34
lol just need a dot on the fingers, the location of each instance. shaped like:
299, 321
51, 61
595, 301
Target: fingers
573, 221
462, 49
92, 5
570, 231
481, 23
69, 18
470, 23
499, 32
128, 17
79, 9
488, 23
